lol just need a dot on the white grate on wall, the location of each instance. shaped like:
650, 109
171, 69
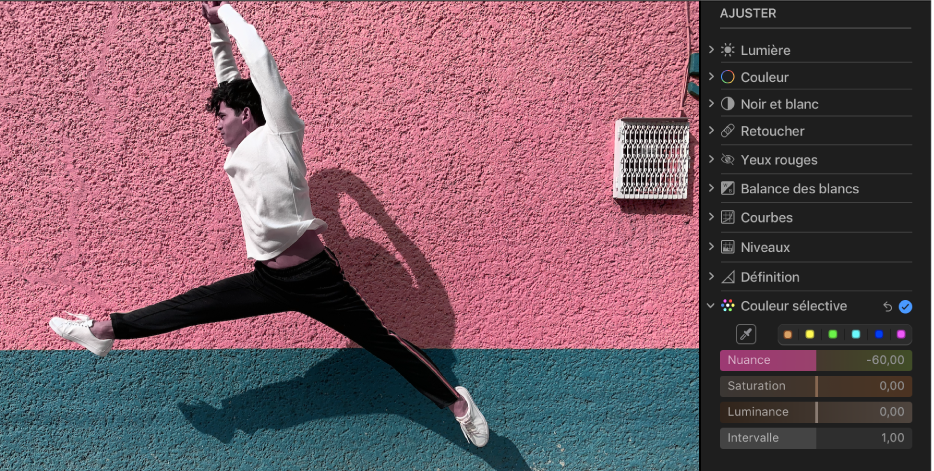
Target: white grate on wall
651, 158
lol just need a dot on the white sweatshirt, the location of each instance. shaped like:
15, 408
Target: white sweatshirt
267, 170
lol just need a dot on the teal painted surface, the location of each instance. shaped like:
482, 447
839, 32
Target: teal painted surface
343, 409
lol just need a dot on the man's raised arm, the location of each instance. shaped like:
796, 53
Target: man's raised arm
225, 67
264, 73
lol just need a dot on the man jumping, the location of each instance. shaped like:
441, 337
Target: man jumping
293, 270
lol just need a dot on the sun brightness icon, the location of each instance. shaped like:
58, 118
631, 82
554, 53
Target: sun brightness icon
727, 49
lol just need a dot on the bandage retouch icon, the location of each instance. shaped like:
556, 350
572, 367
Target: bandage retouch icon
727, 130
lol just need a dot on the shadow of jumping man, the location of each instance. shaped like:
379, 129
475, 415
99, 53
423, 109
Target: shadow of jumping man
351, 381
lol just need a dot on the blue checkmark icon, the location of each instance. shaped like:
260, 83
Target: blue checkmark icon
904, 306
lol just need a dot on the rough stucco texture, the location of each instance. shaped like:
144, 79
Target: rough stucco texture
317, 409
461, 153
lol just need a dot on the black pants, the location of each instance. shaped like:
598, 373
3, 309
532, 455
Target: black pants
316, 288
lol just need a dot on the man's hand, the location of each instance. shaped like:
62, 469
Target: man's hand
209, 11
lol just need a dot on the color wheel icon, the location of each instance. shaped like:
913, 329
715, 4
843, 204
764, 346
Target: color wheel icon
727, 305
727, 76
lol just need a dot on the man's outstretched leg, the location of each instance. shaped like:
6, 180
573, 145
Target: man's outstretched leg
359, 323
319, 289
228, 299
79, 331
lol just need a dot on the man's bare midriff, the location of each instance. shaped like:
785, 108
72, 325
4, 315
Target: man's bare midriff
304, 249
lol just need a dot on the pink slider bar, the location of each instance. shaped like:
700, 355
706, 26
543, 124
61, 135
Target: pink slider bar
768, 360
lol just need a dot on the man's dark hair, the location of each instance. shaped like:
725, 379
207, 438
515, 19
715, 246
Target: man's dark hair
238, 94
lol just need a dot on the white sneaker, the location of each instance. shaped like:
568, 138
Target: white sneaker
473, 424
80, 332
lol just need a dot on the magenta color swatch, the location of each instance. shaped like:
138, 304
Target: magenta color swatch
778, 360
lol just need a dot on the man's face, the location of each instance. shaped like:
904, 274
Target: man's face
233, 128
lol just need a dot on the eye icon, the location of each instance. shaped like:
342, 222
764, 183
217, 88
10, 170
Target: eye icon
727, 49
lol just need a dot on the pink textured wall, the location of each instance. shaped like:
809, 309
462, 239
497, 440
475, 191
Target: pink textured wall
461, 153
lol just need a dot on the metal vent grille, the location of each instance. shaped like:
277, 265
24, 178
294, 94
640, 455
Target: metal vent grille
651, 158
